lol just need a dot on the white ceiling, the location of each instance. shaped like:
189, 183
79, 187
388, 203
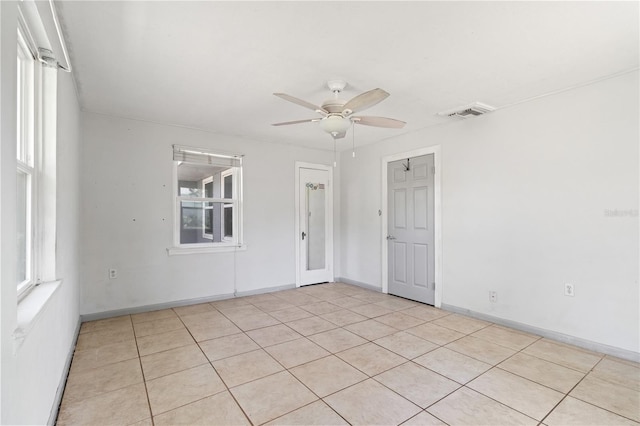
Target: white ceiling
214, 65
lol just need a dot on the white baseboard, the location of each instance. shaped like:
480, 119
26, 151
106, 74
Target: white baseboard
175, 304
359, 284
53, 416
553, 335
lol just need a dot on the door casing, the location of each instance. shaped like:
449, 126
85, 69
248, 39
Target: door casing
329, 219
435, 150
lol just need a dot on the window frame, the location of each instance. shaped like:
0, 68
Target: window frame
229, 244
28, 104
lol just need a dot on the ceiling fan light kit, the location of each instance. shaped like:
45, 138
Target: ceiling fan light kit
337, 113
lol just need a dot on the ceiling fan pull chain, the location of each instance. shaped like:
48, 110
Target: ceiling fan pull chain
353, 140
335, 157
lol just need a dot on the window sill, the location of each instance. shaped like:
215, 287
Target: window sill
30, 308
176, 251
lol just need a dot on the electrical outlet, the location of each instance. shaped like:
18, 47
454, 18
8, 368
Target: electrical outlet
113, 274
569, 290
493, 296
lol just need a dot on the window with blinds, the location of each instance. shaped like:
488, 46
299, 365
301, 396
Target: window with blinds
208, 198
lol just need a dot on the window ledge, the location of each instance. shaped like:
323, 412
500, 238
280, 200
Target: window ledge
175, 251
30, 308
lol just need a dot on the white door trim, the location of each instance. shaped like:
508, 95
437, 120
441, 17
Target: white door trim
329, 258
435, 150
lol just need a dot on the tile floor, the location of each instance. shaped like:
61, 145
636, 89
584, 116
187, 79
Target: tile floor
336, 354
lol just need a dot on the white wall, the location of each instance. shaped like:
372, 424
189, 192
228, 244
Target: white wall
127, 217
31, 373
524, 195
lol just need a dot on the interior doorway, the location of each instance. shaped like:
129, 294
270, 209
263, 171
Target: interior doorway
314, 224
411, 237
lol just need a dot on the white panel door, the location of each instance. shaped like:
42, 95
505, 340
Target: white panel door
411, 228
315, 234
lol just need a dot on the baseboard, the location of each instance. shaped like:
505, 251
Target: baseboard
175, 304
359, 284
53, 416
553, 335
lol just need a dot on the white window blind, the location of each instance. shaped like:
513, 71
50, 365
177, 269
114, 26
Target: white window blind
200, 156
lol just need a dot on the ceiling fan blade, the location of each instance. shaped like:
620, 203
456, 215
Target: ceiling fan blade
391, 123
286, 123
364, 100
301, 102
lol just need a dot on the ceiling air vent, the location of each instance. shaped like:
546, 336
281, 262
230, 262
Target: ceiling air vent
471, 110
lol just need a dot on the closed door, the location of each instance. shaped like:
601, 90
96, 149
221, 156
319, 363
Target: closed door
410, 236
315, 226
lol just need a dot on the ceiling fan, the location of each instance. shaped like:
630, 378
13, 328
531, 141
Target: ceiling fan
337, 113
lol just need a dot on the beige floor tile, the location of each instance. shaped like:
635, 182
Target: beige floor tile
177, 389
565, 355
622, 361
271, 397
371, 358
152, 315
104, 355
424, 419
315, 414
370, 403
453, 365
397, 303
229, 303
321, 308
275, 304
349, 302
171, 361
399, 320
236, 312
406, 345
204, 319
419, 385
273, 335
371, 310
222, 327
120, 407
122, 323
327, 375
88, 383
145, 422
435, 333
481, 350
372, 296
162, 325
546, 373
425, 313
461, 323
290, 314
163, 342
337, 340
619, 373
621, 400
572, 411
96, 339
344, 317
227, 346
296, 298
467, 407
371, 329
506, 337
219, 409
183, 311
311, 325
246, 367
296, 352
521, 394
252, 322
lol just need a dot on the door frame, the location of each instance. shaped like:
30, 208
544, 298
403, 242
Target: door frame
329, 257
435, 150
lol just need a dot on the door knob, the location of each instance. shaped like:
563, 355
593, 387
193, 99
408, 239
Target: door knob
390, 237
303, 235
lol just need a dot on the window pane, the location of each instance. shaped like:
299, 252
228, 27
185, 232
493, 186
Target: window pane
228, 186
203, 222
208, 189
228, 220
23, 226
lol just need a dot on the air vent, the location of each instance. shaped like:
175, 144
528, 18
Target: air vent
467, 111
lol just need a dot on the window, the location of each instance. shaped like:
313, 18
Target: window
208, 199
26, 165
